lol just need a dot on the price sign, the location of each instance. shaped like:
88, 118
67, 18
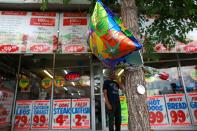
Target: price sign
157, 111
177, 109
42, 32
61, 114
80, 115
13, 31
73, 32
40, 114
23, 114
193, 107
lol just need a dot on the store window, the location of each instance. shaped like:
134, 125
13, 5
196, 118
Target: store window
168, 103
34, 92
190, 78
8, 80
167, 81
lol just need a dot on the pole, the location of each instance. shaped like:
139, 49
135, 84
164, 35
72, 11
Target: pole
15, 94
184, 86
52, 93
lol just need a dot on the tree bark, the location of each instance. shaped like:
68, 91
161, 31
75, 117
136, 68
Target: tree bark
137, 107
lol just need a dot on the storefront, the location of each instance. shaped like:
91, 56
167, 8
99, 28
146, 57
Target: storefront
49, 81
172, 97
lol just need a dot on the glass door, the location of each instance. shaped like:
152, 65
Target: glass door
72, 93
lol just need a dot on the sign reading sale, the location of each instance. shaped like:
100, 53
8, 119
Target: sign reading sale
40, 114
177, 109
61, 114
80, 118
157, 111
193, 107
23, 115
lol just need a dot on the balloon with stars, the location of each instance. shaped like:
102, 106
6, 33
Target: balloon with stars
108, 38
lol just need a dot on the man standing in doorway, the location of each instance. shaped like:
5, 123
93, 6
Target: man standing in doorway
112, 101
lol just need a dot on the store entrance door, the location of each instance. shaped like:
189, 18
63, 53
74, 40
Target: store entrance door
100, 119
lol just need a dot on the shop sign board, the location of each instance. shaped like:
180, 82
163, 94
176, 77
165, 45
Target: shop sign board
42, 32
12, 31
177, 109
80, 115
124, 113
73, 33
193, 106
23, 115
40, 114
157, 111
61, 114
72, 76
30, 32
6, 101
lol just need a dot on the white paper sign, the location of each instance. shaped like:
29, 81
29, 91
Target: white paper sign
193, 107
12, 31
23, 115
73, 33
61, 114
157, 111
40, 114
42, 32
6, 101
80, 116
177, 109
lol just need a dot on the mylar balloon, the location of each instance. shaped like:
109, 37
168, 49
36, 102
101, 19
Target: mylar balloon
109, 40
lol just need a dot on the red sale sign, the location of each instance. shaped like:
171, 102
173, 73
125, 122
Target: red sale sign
23, 115
157, 111
80, 115
40, 114
193, 107
61, 114
177, 109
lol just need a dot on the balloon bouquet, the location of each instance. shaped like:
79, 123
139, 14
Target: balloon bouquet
108, 38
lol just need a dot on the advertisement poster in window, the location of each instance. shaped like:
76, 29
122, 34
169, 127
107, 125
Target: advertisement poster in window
40, 114
73, 33
61, 114
23, 115
177, 109
193, 106
157, 111
124, 113
42, 32
12, 31
80, 115
6, 101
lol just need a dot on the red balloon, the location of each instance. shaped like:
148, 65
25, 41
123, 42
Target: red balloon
163, 76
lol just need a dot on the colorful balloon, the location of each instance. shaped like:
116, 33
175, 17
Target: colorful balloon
109, 40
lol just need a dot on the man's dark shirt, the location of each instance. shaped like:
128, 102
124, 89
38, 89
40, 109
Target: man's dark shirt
112, 88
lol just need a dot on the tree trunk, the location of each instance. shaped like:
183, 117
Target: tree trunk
137, 107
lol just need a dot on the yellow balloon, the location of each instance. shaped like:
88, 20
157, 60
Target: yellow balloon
46, 82
193, 74
24, 83
59, 81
